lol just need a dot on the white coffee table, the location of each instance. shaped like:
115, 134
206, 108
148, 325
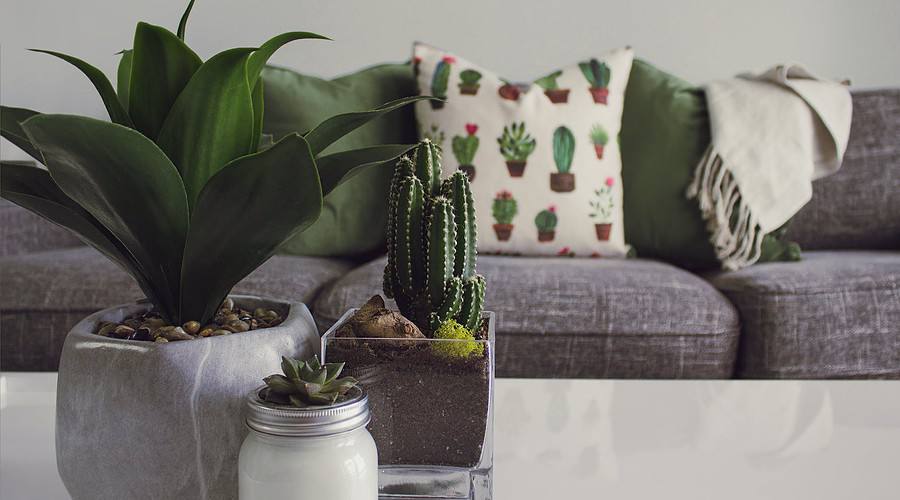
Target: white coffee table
592, 439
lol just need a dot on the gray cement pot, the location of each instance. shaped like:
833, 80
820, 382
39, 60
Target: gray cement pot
142, 420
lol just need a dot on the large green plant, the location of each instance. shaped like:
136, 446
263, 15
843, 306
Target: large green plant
178, 190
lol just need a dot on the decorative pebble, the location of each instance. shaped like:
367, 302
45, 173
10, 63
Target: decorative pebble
122, 331
216, 333
161, 340
191, 327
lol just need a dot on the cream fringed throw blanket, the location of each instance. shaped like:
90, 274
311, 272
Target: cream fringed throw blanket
772, 135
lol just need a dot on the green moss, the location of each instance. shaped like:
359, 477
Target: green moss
451, 330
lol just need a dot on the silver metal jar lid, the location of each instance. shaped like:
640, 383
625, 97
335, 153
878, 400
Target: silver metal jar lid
281, 420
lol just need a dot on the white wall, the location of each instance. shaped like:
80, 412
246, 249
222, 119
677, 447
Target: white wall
697, 39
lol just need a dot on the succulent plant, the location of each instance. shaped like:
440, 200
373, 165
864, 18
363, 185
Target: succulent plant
430, 270
178, 190
563, 149
546, 220
441, 77
599, 135
548, 82
504, 208
596, 73
515, 143
306, 383
465, 147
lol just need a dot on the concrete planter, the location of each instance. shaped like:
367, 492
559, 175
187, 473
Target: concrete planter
144, 420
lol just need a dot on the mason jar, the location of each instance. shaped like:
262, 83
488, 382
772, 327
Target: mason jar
314, 452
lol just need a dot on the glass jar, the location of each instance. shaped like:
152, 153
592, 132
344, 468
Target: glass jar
315, 452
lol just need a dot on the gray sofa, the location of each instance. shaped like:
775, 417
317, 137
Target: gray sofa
836, 314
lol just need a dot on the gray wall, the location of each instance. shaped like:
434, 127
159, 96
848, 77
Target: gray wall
697, 39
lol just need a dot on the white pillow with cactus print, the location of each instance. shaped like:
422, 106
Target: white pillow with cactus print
543, 158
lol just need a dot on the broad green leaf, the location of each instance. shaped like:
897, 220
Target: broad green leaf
182, 25
264, 52
258, 108
337, 168
162, 66
338, 126
211, 122
11, 129
123, 77
114, 107
126, 182
245, 212
31, 188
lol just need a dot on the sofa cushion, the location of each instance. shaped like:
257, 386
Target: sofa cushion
832, 315
23, 232
44, 294
859, 206
586, 317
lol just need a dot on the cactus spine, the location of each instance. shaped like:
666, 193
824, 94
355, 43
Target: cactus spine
563, 149
432, 244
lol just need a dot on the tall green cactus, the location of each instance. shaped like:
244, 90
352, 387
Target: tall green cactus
563, 149
432, 244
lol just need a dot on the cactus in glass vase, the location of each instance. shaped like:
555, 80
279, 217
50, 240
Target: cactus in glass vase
440, 79
597, 74
563, 181
430, 271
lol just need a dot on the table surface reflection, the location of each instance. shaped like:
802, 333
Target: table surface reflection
587, 439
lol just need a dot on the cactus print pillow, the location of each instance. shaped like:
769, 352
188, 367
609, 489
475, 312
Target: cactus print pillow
543, 157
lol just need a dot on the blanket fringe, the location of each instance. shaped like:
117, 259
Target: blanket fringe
736, 237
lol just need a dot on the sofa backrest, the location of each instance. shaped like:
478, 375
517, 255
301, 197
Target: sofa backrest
23, 232
859, 206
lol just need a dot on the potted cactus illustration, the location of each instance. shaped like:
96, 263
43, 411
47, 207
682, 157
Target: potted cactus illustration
464, 149
417, 61
468, 82
440, 80
546, 224
597, 75
599, 137
509, 91
563, 181
433, 134
551, 88
516, 145
504, 209
602, 209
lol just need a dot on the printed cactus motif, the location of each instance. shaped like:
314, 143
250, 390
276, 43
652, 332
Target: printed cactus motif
432, 244
464, 149
551, 88
509, 91
516, 145
599, 137
597, 74
546, 221
563, 180
504, 210
468, 84
602, 209
434, 134
563, 149
440, 79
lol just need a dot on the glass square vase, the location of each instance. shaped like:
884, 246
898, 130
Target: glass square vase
432, 413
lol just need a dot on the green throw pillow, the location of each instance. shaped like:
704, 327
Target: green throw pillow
665, 131
354, 217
